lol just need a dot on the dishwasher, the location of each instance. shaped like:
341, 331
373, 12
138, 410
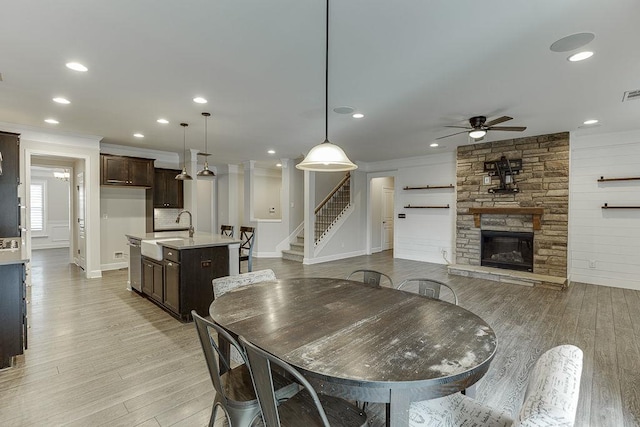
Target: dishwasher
135, 265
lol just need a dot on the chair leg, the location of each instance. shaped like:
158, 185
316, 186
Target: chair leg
214, 411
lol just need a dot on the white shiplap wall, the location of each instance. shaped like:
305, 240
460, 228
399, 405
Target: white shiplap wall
424, 233
604, 244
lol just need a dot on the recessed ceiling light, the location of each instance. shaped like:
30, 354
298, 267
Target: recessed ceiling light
343, 110
580, 56
278, 165
52, 121
60, 100
163, 121
271, 151
357, 115
76, 66
199, 100
572, 42
590, 122
138, 135
434, 144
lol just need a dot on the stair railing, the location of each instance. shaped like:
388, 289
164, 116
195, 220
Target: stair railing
332, 206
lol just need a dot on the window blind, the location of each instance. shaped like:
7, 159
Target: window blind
37, 207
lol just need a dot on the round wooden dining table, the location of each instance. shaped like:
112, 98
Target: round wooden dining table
363, 343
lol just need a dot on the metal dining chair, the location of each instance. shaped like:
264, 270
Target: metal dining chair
427, 287
226, 230
306, 408
233, 386
371, 277
247, 235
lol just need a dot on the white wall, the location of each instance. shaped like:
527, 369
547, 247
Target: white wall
604, 245
267, 193
122, 211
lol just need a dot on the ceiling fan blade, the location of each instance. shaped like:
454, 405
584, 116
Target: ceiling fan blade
459, 127
498, 120
447, 136
508, 128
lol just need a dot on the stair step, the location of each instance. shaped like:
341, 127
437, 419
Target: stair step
297, 246
293, 255
300, 239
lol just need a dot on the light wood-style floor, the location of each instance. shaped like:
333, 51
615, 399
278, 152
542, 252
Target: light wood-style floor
101, 355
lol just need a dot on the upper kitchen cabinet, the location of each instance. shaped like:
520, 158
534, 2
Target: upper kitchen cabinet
126, 171
9, 180
168, 192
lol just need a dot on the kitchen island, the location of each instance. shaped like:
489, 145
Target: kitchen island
176, 270
13, 305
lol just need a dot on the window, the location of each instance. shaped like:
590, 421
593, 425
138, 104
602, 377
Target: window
37, 207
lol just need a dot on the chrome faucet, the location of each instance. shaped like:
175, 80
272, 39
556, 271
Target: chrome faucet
190, 221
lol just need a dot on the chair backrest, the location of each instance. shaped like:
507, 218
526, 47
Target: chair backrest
259, 362
226, 230
222, 285
553, 390
217, 360
247, 235
427, 287
371, 277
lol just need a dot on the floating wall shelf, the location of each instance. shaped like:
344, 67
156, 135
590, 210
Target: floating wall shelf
429, 187
606, 206
426, 207
632, 178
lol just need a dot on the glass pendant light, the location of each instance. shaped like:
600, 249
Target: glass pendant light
205, 172
184, 176
326, 157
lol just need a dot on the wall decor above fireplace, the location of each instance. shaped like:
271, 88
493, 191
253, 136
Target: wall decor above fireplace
504, 169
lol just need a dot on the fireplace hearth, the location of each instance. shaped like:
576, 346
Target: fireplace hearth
507, 249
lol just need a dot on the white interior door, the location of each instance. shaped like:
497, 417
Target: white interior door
81, 242
387, 218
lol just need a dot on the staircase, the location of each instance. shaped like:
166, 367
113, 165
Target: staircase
296, 250
327, 213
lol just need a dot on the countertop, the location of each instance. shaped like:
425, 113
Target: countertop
13, 256
199, 239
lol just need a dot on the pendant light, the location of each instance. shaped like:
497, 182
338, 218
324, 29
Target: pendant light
205, 172
184, 176
326, 157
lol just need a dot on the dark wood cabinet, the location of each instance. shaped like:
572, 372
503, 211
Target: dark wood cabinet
126, 171
168, 192
9, 180
13, 313
152, 279
172, 286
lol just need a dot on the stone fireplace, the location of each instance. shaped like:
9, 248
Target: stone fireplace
537, 208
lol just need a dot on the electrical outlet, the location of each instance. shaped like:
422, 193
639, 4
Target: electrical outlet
118, 255
487, 180
592, 263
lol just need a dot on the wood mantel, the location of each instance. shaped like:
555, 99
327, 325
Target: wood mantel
504, 210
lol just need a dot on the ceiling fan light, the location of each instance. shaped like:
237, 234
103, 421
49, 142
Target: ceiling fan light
477, 133
326, 157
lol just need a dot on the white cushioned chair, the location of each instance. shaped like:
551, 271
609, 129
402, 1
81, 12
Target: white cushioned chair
551, 398
222, 285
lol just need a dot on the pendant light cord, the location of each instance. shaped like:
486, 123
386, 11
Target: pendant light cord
326, 79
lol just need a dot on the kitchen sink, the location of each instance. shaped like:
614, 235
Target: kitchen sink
153, 248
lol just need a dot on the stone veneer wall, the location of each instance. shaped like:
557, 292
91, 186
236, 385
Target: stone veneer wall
543, 182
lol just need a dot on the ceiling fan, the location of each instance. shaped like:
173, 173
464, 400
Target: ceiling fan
479, 126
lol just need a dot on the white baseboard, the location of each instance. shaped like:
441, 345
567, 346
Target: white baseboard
114, 266
59, 245
333, 257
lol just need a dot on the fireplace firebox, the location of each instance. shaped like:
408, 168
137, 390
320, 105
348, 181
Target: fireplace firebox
507, 249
